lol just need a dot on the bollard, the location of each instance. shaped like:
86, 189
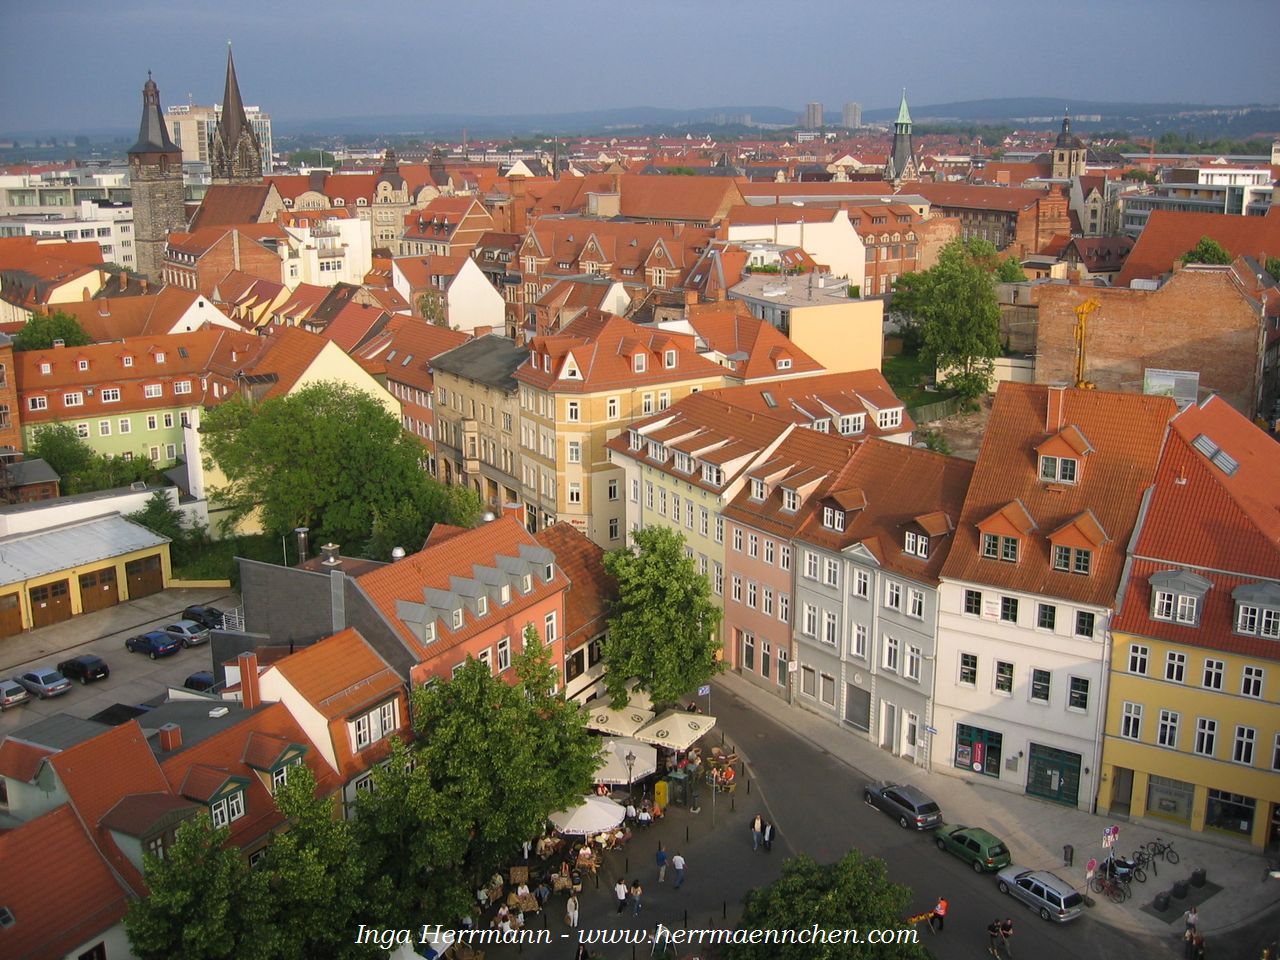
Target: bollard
633, 952
724, 909
686, 919
1068, 854
731, 803
748, 788
686, 833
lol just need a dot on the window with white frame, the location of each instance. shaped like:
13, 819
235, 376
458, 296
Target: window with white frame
1167, 730
737, 539
892, 649
1243, 744
888, 419
1058, 469
1213, 671
73, 399
1040, 682
790, 500
766, 601
916, 544
858, 641
831, 572
1206, 736
1003, 677
784, 607
182, 386
753, 545
152, 390
1131, 721
37, 403
574, 451
1251, 678
228, 810
575, 494
1138, 655
915, 604
893, 595
757, 489
1175, 666
573, 411
704, 519
753, 593
973, 602
718, 579
109, 395
457, 618
639, 363
833, 519
861, 583
914, 656
811, 565
830, 628
784, 556
504, 654
1078, 694
768, 550
968, 676
611, 408
809, 620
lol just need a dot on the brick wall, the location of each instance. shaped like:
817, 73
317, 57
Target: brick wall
1199, 320
236, 252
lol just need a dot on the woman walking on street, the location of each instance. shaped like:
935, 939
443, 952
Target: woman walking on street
757, 829
571, 911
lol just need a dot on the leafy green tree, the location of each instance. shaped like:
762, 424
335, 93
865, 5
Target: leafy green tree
40, 332
438, 821
407, 523
79, 468
954, 304
1272, 266
160, 516
853, 893
1208, 250
1010, 271
433, 309
315, 875
662, 626
329, 457
205, 902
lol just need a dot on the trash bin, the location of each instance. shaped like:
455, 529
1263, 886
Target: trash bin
660, 793
1161, 901
1198, 877
1179, 890
1068, 854
679, 790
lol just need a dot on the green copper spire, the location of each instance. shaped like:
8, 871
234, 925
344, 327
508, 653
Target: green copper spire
904, 116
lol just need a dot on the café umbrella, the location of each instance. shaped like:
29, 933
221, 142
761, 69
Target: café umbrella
675, 729
615, 750
593, 815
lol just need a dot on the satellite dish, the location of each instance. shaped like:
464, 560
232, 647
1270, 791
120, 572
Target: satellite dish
488, 517
397, 553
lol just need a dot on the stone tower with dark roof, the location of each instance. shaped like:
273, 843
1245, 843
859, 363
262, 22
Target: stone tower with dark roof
155, 178
237, 153
902, 159
1069, 152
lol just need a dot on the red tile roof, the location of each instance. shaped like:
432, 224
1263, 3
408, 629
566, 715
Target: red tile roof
1168, 235
20, 760
1125, 431
58, 888
591, 589
729, 329
225, 204
968, 197
340, 674
404, 350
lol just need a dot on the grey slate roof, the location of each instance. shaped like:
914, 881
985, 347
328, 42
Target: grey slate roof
59, 732
27, 555
31, 471
491, 360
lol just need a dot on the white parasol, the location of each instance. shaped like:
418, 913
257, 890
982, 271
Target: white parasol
593, 815
622, 722
676, 729
615, 750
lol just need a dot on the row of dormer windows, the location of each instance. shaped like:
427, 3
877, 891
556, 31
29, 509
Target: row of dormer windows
76, 398
1076, 560
457, 616
83, 365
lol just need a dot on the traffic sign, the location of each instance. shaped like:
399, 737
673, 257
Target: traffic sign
704, 690
1090, 867
932, 731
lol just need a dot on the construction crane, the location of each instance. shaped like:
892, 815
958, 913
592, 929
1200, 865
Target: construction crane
1082, 330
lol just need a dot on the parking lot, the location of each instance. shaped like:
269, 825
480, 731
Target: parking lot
134, 679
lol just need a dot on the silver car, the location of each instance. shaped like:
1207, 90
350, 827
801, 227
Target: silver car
911, 807
44, 683
188, 632
1046, 893
12, 693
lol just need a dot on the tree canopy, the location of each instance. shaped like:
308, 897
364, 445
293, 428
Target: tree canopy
1208, 250
853, 893
204, 904
329, 457
441, 804
79, 468
662, 626
41, 330
954, 305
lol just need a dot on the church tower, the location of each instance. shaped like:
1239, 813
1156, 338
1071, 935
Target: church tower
902, 160
1069, 152
237, 153
155, 178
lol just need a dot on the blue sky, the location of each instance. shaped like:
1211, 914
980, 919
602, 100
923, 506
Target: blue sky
80, 64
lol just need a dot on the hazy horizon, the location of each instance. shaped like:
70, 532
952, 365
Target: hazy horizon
302, 64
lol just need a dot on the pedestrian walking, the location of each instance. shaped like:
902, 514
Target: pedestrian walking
662, 865
757, 830
939, 915
677, 864
1192, 918
994, 937
571, 911
620, 891
766, 836
582, 953
1006, 935
637, 892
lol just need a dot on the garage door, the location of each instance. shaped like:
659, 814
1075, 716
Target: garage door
10, 615
144, 576
50, 603
98, 589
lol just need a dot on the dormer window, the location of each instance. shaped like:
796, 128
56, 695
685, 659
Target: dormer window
657, 451
482, 606
888, 419
996, 547
637, 441
82, 365
1058, 469
504, 595
127, 361
1257, 609
1072, 560
712, 474
851, 423
457, 618
669, 359
916, 544
1177, 596
758, 489
429, 633
546, 362
684, 462
46, 368
549, 572
790, 500
526, 583
823, 425
159, 356
784, 363
638, 363
833, 519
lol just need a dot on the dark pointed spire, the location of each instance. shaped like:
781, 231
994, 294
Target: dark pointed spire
233, 116
153, 134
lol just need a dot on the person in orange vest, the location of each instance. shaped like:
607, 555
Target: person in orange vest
939, 915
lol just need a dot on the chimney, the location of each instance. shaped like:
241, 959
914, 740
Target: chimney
170, 737
690, 297
124, 281
330, 551
249, 695
84, 295
514, 510
1056, 409
300, 531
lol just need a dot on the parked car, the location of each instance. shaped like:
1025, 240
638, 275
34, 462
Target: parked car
208, 617
12, 694
188, 632
910, 806
44, 683
200, 680
1046, 893
86, 668
154, 643
977, 847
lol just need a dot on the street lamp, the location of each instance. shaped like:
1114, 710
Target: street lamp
630, 760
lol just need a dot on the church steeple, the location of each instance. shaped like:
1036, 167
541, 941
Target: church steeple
237, 153
902, 161
155, 185
153, 134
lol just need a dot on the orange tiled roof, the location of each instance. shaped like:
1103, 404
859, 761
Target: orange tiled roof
404, 350
340, 674
728, 328
1168, 235
20, 760
225, 204
1126, 432
288, 353
63, 895
969, 197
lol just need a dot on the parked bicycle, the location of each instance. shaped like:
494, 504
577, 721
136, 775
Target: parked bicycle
1159, 848
1115, 891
